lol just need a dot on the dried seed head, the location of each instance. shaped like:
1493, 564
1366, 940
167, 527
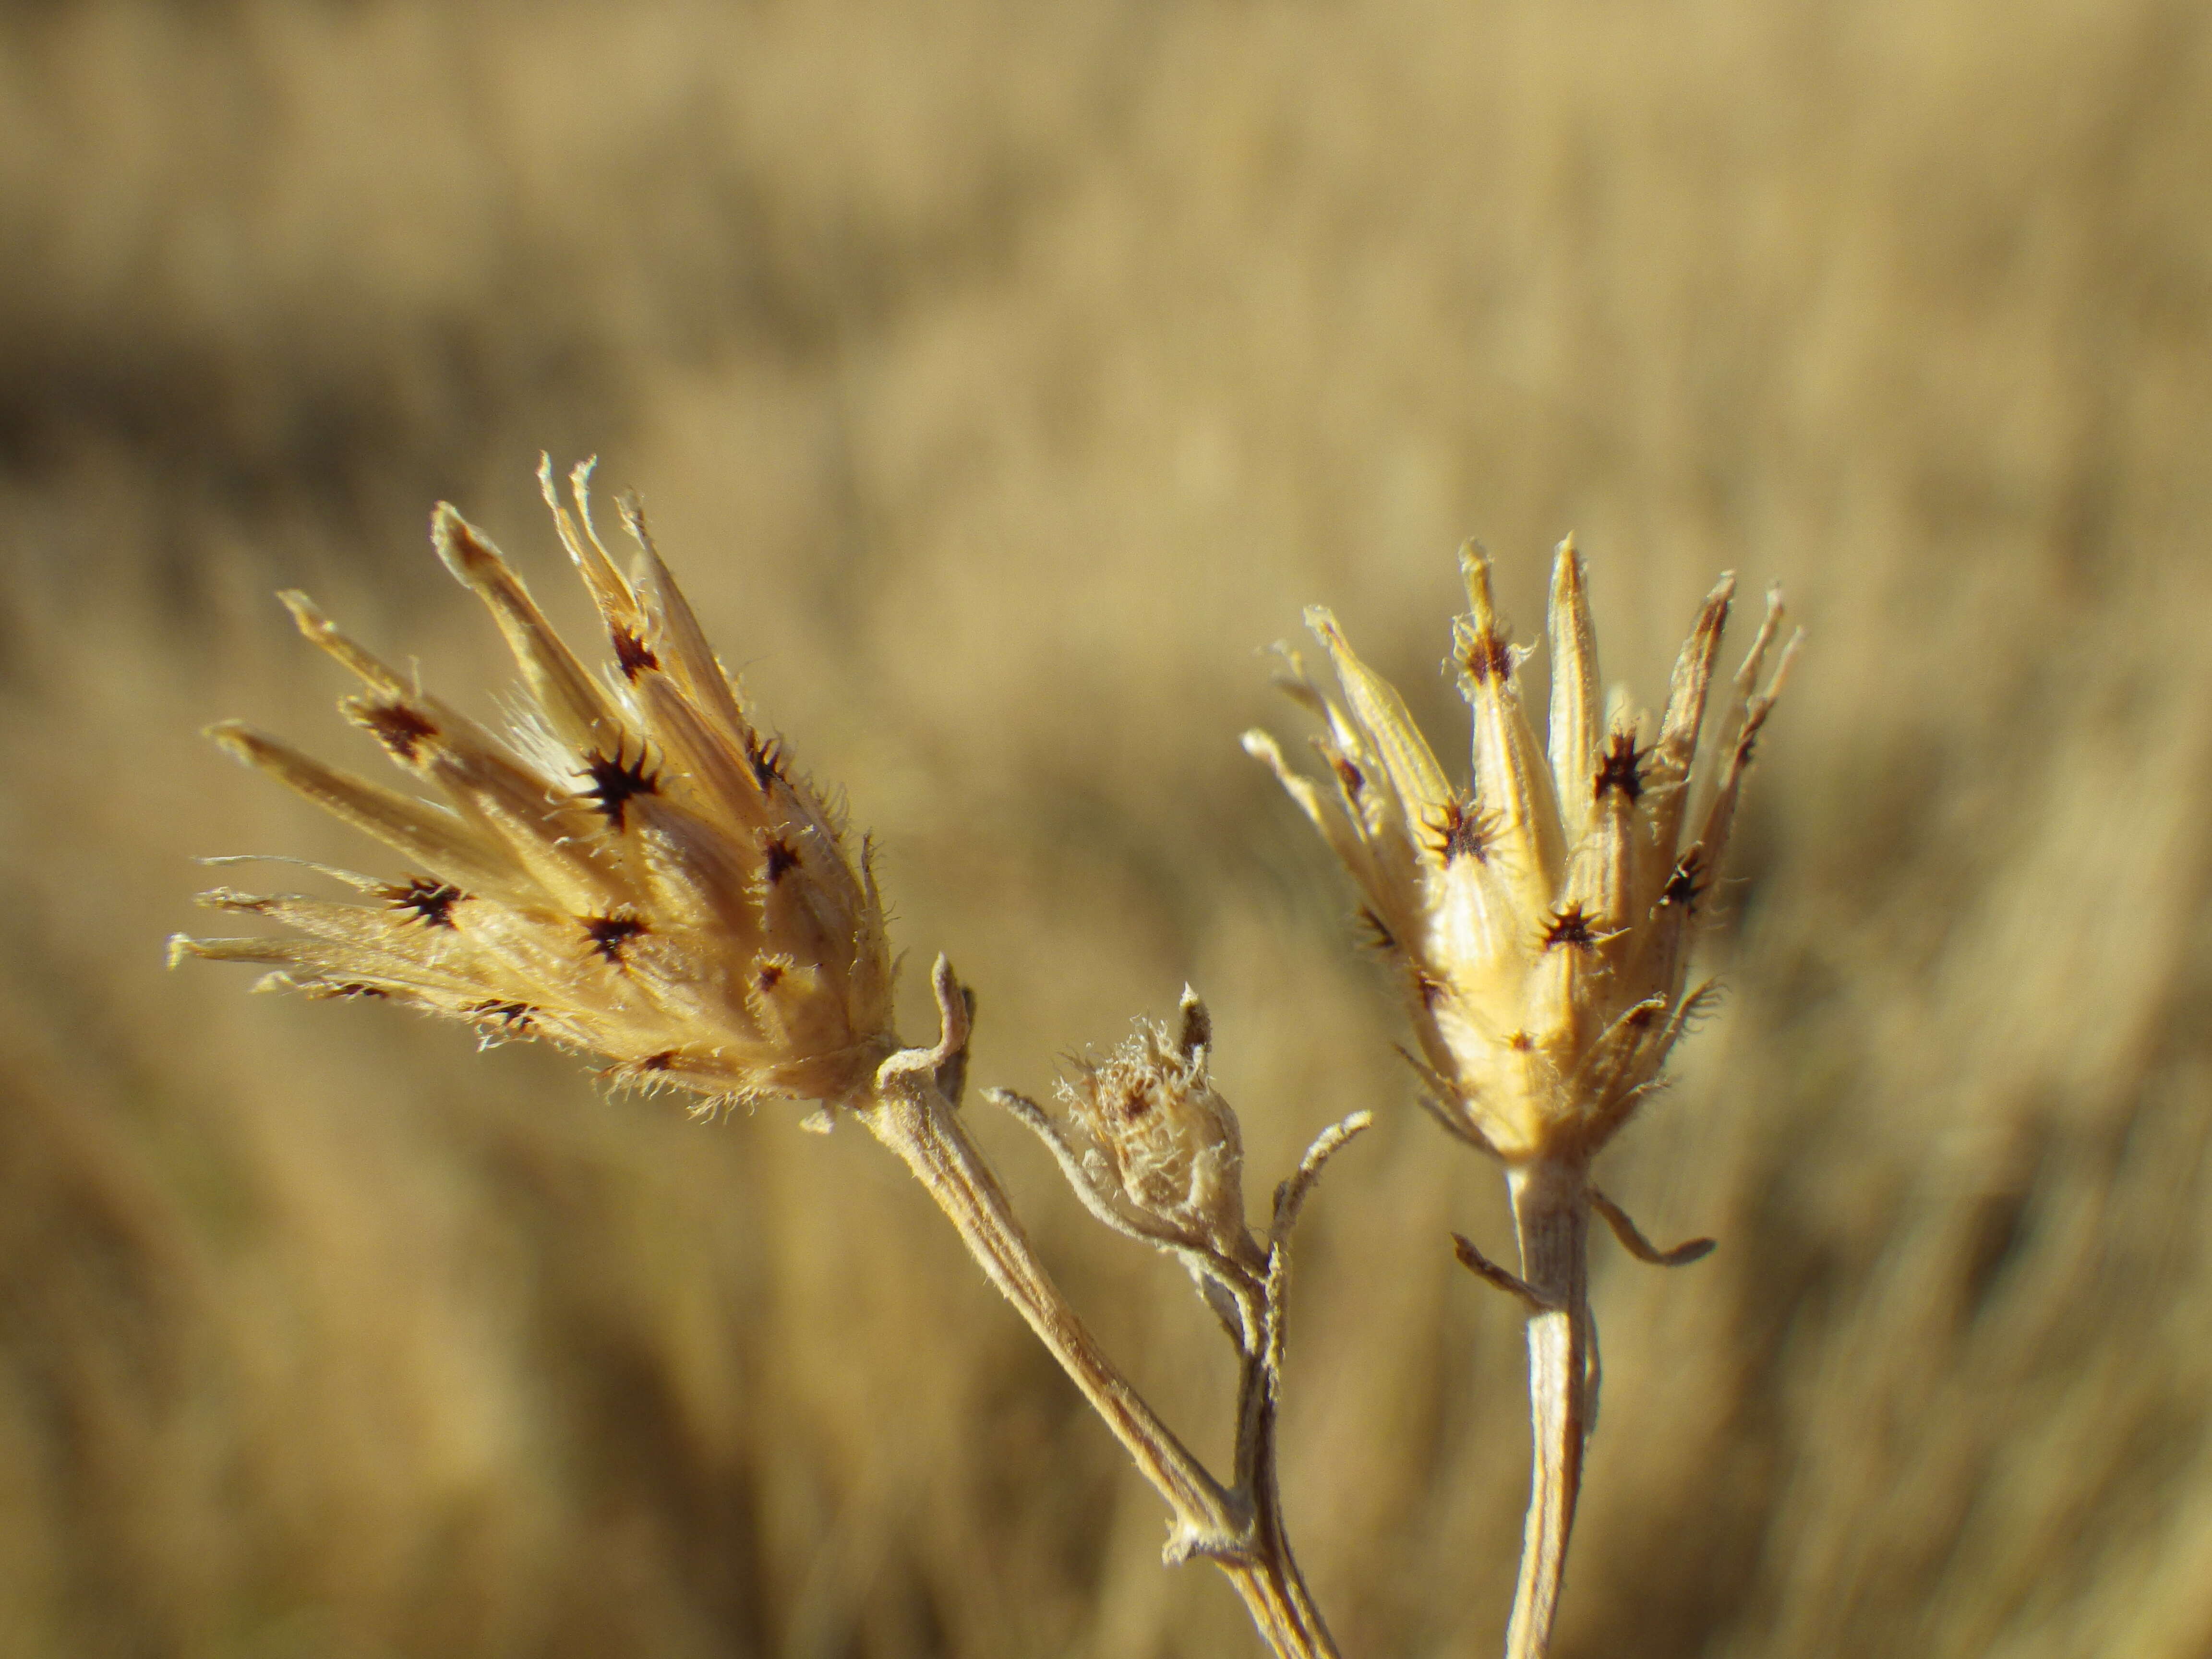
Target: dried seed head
638, 873
1172, 1143
1542, 921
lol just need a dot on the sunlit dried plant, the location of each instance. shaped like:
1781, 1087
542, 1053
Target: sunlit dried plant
1165, 1165
1540, 921
637, 871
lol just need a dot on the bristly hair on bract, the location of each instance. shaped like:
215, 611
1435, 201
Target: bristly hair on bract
1541, 918
636, 872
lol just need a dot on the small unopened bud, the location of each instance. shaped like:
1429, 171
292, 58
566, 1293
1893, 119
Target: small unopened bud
1172, 1143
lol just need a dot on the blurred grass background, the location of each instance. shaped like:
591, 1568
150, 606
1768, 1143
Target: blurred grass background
1002, 376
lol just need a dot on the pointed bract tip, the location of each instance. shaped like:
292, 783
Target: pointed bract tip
179, 947
1713, 610
580, 479
235, 737
461, 546
955, 1017
1780, 677
306, 614
1263, 747
1197, 1031
1474, 570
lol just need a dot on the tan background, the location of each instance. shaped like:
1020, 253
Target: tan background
1002, 376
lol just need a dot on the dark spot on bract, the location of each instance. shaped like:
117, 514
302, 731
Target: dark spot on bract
1688, 881
432, 902
765, 756
1431, 988
1378, 935
1487, 657
660, 1062
632, 654
1571, 927
770, 977
1622, 769
782, 858
400, 729
617, 781
1462, 832
1349, 775
1521, 1043
354, 988
611, 936
1137, 1104
512, 1016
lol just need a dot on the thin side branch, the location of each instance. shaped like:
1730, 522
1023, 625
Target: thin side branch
1259, 1385
1238, 1529
1434, 1093
1634, 1240
1503, 1278
1290, 1196
911, 1116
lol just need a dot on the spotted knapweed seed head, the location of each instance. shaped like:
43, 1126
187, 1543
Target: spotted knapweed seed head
1541, 918
637, 871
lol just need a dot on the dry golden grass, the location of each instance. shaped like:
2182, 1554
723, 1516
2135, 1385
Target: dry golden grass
1001, 378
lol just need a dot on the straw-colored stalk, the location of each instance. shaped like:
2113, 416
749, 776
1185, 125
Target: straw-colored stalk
637, 871
1539, 922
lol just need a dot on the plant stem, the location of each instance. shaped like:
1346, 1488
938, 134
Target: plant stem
1551, 1217
909, 1114
935, 1146
1291, 1622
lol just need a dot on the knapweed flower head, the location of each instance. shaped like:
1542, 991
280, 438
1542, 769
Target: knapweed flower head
637, 871
1163, 1139
1542, 917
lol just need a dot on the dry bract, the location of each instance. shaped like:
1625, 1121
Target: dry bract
637, 871
1539, 921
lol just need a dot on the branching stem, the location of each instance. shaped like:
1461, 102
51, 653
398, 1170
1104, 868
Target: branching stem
1238, 1528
